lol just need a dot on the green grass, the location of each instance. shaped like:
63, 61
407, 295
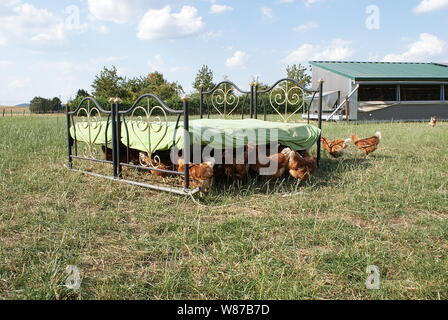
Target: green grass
389, 209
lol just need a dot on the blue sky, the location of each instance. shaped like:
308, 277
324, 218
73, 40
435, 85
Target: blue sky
52, 48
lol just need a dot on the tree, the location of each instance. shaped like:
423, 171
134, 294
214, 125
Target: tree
108, 84
299, 73
42, 105
56, 104
37, 105
156, 84
204, 79
82, 94
134, 87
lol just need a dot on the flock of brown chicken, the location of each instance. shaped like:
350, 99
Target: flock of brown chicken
271, 165
299, 164
337, 148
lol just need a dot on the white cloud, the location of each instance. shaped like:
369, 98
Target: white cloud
6, 63
307, 26
19, 83
28, 24
310, 2
338, 50
267, 13
426, 48
3, 40
217, 8
118, 11
163, 24
431, 5
7, 4
238, 60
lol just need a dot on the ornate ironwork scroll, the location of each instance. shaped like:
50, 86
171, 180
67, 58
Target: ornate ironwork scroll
225, 98
143, 121
88, 126
287, 99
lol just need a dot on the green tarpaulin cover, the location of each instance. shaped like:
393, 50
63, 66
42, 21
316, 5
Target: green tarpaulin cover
219, 134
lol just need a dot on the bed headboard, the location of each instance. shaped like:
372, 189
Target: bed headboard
226, 100
283, 101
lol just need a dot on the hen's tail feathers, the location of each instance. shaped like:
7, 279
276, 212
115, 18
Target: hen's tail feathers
379, 135
287, 152
143, 158
348, 141
210, 161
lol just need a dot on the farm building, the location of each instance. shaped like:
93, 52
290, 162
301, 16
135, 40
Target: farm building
379, 91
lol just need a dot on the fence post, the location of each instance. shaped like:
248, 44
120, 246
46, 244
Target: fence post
347, 108
114, 137
3, 113
186, 152
201, 111
321, 96
251, 106
256, 100
309, 111
69, 139
118, 125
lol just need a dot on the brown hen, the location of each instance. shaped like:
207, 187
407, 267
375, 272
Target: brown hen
433, 122
235, 170
335, 148
201, 175
368, 145
272, 167
300, 167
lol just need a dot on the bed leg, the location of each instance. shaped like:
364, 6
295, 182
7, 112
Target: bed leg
119, 144
321, 97
69, 140
186, 152
115, 147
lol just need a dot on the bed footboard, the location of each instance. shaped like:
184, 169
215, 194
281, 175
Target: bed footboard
100, 136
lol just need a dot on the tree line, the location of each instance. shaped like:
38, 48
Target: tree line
109, 84
43, 105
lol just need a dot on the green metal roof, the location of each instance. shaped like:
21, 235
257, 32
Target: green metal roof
386, 71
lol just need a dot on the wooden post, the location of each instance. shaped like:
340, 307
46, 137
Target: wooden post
347, 108
3, 113
321, 97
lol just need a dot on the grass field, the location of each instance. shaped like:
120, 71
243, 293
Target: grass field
15, 110
389, 209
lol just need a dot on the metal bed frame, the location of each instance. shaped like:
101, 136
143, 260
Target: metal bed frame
223, 97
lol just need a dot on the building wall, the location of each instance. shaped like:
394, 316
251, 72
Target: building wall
408, 112
333, 81
336, 82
